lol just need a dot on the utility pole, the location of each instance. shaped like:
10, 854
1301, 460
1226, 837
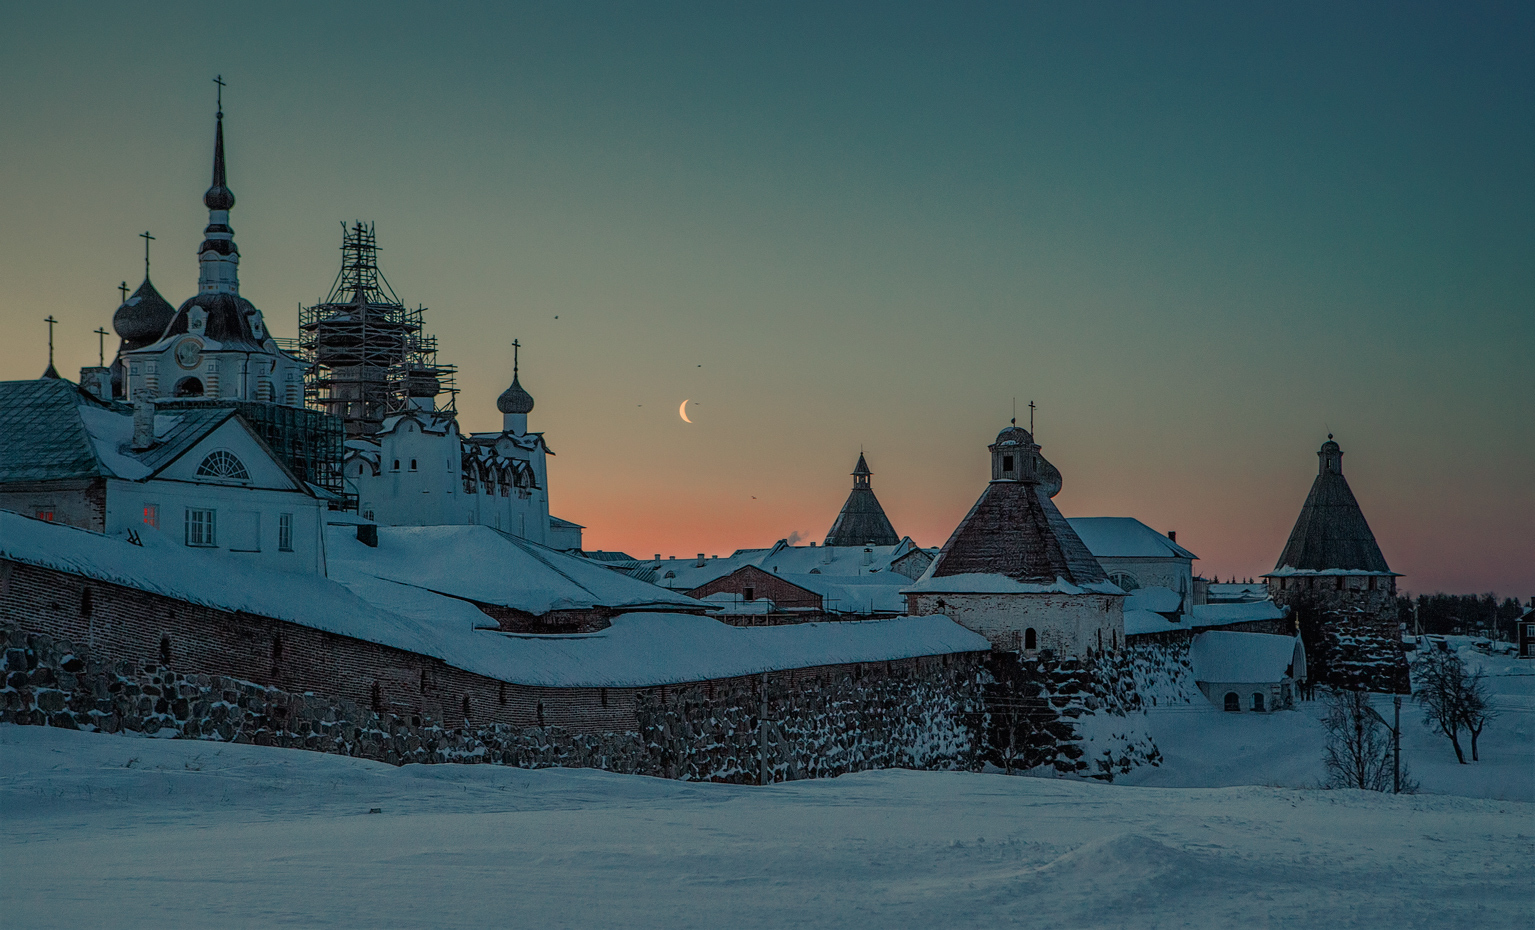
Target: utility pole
1396, 747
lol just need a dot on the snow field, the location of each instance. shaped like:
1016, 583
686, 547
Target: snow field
201, 834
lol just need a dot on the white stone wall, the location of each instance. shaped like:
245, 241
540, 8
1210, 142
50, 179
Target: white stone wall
1068, 624
1175, 574
246, 522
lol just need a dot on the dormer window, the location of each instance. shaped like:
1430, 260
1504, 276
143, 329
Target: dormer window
222, 464
1007, 463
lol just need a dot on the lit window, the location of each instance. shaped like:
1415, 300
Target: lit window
45, 515
222, 464
152, 515
285, 532
201, 527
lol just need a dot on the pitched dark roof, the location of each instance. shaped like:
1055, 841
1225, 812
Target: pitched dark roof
1015, 529
1331, 532
862, 521
44, 436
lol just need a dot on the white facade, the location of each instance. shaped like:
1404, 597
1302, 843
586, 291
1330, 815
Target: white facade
418, 470
190, 365
1066, 624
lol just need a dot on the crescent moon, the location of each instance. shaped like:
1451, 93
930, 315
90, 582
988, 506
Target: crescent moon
683, 411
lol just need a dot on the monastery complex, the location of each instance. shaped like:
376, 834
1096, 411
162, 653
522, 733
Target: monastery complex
237, 536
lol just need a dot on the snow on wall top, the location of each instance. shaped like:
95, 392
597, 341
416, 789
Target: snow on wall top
638, 650
988, 583
1220, 614
481, 564
1125, 537
1224, 656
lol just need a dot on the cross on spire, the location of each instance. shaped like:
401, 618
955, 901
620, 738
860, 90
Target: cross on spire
1031, 418
101, 347
515, 346
124, 288
50, 321
220, 82
147, 239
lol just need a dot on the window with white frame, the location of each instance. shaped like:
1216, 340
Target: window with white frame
152, 515
285, 532
201, 527
222, 463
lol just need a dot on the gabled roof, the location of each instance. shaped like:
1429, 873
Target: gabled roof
1126, 538
862, 521
1246, 658
1331, 533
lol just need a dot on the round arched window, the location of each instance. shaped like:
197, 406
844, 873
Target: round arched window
1125, 580
221, 463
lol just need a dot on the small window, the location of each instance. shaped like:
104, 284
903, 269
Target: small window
1257, 701
1007, 463
396, 464
201, 527
223, 464
412, 464
1030, 639
152, 515
751, 593
45, 515
1233, 702
285, 532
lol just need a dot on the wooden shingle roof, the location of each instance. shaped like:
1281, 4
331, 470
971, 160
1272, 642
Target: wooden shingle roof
1331, 533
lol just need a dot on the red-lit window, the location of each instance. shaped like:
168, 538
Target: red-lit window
45, 515
152, 515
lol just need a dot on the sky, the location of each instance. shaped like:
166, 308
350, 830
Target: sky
1199, 237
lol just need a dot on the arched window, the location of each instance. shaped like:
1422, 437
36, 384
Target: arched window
1125, 580
1257, 700
1233, 702
1030, 639
188, 387
221, 463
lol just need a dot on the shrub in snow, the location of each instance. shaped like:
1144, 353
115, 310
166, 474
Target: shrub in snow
1359, 752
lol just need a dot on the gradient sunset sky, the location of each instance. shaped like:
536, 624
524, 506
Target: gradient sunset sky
1198, 236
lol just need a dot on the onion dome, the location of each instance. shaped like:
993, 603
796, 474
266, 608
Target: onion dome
514, 399
141, 318
421, 381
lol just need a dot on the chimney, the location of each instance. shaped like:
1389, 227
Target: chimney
143, 425
1172, 535
700, 562
367, 534
868, 555
97, 382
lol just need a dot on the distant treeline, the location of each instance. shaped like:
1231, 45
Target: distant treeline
1462, 613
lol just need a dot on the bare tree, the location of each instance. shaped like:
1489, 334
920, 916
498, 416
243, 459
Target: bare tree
1358, 751
1476, 708
1441, 691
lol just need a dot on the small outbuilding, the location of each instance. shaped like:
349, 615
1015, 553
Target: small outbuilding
1248, 671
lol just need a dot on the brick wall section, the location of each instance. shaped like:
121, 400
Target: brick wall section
81, 503
120, 624
764, 585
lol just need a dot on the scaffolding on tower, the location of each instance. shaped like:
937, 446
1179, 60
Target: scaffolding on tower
367, 355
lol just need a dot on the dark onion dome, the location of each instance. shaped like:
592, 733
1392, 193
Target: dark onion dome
514, 399
219, 196
141, 318
228, 322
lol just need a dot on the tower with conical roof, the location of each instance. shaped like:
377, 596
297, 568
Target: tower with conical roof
1015, 571
1333, 577
862, 521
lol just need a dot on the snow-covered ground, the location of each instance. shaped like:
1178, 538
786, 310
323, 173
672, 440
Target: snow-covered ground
112, 831
1203, 746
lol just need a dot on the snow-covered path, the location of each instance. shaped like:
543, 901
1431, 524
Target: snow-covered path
200, 834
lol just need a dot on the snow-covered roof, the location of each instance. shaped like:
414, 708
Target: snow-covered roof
1140, 622
638, 650
1221, 614
1222, 656
1125, 538
840, 561
1154, 598
1238, 591
483, 564
986, 583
